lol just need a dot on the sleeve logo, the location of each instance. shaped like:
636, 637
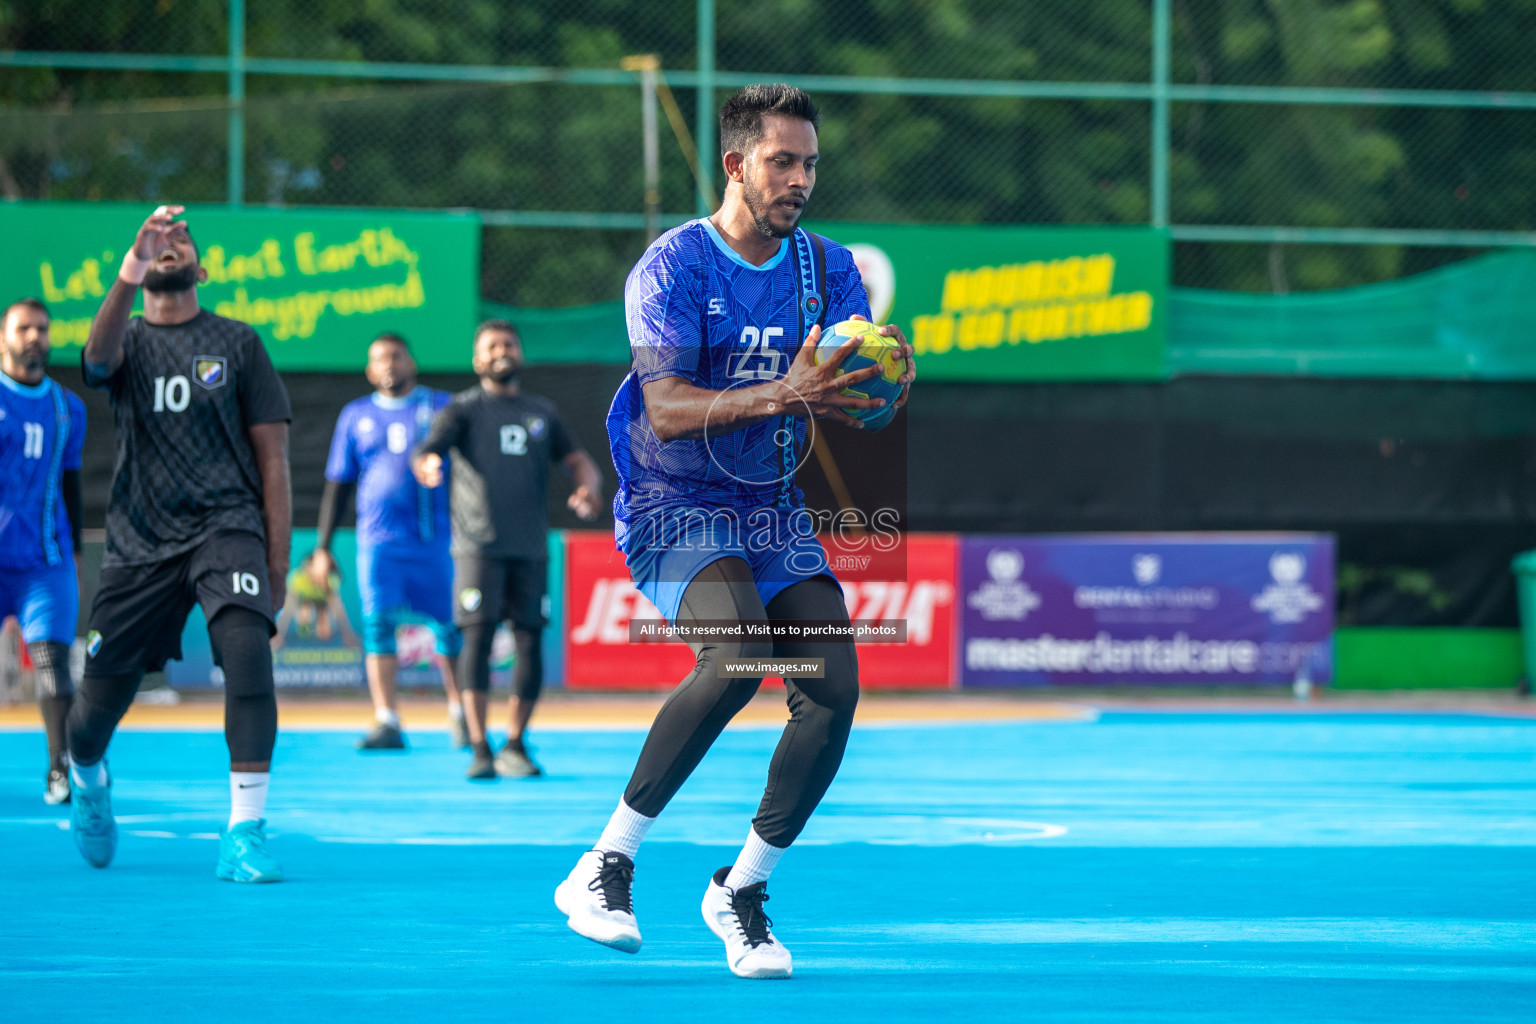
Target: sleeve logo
210, 371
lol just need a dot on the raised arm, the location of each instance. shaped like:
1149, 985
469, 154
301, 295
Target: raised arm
681, 411
269, 443
104, 347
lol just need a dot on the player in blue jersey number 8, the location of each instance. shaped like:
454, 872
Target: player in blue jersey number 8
724, 318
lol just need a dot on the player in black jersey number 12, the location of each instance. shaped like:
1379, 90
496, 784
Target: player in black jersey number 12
199, 514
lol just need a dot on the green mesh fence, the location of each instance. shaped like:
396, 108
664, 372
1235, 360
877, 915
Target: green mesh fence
935, 111
1471, 320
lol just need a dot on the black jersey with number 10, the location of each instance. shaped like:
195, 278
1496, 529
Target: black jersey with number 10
184, 399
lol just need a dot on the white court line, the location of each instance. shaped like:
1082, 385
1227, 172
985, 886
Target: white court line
874, 830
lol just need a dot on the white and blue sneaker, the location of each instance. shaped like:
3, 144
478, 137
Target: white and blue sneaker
595, 899
243, 855
92, 824
736, 917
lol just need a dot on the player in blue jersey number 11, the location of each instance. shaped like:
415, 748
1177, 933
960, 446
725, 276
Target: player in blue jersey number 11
724, 315
42, 430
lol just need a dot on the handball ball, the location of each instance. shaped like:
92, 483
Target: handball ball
875, 349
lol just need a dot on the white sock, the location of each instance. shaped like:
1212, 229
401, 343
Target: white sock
89, 776
624, 832
387, 716
455, 712
247, 796
755, 863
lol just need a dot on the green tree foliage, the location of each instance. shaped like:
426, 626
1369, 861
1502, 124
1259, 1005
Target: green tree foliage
554, 145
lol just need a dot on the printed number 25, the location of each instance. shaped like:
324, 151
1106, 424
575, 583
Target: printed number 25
759, 348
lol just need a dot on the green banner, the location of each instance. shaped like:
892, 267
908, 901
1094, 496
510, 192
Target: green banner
1019, 303
318, 285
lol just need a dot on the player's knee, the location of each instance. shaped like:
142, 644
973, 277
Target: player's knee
475, 656
448, 640
713, 658
51, 659
840, 683
528, 646
239, 638
528, 670
379, 635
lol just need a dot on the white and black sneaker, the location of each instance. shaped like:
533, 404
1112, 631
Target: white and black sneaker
56, 786
595, 898
736, 917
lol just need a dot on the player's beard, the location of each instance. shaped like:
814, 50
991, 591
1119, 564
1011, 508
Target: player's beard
183, 278
30, 361
760, 206
503, 371
398, 387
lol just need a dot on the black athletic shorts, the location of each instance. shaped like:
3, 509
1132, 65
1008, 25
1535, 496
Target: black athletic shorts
140, 610
490, 589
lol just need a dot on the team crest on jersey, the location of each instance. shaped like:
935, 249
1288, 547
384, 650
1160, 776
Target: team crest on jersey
536, 426
469, 598
92, 643
210, 371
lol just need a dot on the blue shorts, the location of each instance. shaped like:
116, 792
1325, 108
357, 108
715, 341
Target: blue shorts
46, 598
397, 584
665, 549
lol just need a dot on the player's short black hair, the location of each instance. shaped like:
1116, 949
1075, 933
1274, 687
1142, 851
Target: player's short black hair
741, 119
393, 337
496, 323
25, 303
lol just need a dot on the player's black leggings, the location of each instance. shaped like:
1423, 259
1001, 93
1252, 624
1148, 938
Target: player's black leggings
527, 666
820, 710
55, 691
239, 638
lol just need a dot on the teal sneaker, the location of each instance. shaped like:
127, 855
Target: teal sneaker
243, 855
92, 824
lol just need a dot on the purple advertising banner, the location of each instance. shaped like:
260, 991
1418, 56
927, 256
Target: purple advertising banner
1146, 608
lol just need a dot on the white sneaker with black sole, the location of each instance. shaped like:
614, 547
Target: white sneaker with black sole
736, 917
595, 899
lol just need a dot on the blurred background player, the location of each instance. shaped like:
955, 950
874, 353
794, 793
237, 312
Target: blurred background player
200, 512
313, 609
504, 441
42, 430
724, 314
403, 561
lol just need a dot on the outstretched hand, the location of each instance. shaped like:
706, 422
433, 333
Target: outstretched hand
154, 235
584, 502
428, 470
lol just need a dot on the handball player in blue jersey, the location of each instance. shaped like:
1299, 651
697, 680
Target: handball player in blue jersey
724, 315
403, 531
42, 430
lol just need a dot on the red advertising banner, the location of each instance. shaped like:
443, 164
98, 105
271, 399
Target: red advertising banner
600, 601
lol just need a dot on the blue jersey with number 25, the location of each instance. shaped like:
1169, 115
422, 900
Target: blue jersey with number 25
698, 311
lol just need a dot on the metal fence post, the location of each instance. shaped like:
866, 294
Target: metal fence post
704, 131
235, 182
648, 65
1160, 46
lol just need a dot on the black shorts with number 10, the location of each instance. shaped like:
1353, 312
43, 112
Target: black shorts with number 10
140, 610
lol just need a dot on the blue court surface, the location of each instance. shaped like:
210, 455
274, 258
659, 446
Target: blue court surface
1169, 866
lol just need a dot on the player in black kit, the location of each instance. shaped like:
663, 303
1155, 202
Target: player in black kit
199, 514
503, 442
